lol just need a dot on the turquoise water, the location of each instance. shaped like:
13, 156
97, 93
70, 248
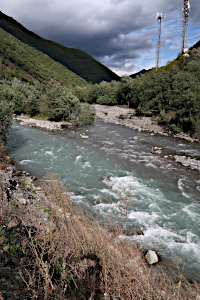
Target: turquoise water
100, 172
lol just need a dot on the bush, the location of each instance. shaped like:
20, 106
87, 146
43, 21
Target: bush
6, 110
60, 104
107, 100
86, 115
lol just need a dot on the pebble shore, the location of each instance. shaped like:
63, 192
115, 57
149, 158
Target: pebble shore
44, 124
126, 117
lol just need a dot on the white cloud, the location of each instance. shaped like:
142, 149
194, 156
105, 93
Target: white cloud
174, 47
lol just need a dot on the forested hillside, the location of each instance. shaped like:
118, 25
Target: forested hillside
75, 60
171, 95
28, 64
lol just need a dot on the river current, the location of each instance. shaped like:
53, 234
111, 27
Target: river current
116, 163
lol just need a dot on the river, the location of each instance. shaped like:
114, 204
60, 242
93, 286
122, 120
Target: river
113, 168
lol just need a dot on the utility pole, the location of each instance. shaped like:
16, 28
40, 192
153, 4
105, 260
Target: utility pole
159, 19
184, 35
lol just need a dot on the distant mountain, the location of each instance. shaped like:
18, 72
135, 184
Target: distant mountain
143, 71
75, 60
28, 64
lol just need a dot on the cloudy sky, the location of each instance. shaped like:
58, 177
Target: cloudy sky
121, 34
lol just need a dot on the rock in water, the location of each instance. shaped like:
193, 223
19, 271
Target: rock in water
151, 257
84, 136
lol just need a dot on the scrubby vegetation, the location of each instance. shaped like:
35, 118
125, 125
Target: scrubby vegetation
52, 102
30, 65
73, 59
172, 94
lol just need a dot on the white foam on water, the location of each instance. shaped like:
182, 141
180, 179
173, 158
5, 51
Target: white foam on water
181, 186
78, 158
143, 218
192, 211
151, 165
87, 165
109, 193
26, 161
77, 198
49, 153
110, 208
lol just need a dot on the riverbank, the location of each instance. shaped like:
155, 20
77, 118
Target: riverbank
126, 117
44, 124
85, 260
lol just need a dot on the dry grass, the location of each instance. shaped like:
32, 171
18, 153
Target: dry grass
76, 258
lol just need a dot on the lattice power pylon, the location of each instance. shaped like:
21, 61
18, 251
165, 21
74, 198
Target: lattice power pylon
184, 35
159, 19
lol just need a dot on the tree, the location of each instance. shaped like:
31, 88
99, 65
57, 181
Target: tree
6, 110
60, 104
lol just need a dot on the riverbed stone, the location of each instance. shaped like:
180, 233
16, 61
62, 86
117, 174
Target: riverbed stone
22, 200
84, 136
151, 257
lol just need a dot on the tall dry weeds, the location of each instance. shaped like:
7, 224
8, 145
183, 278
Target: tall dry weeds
78, 259
74, 257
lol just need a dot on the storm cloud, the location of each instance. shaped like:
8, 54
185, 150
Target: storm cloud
118, 33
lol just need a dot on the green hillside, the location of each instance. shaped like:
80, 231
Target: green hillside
171, 95
75, 60
26, 63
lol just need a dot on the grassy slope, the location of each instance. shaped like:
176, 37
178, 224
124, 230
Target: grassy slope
26, 63
77, 61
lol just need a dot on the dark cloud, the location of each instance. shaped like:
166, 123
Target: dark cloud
116, 32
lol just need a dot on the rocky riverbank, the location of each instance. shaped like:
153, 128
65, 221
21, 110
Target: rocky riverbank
44, 124
22, 208
126, 117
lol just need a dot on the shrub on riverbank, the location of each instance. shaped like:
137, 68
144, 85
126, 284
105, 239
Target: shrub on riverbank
6, 110
66, 254
171, 94
55, 102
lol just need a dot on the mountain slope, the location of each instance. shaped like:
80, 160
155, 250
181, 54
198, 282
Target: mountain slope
75, 60
26, 63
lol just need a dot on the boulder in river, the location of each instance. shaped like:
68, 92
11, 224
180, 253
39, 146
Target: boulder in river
156, 150
84, 136
151, 257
